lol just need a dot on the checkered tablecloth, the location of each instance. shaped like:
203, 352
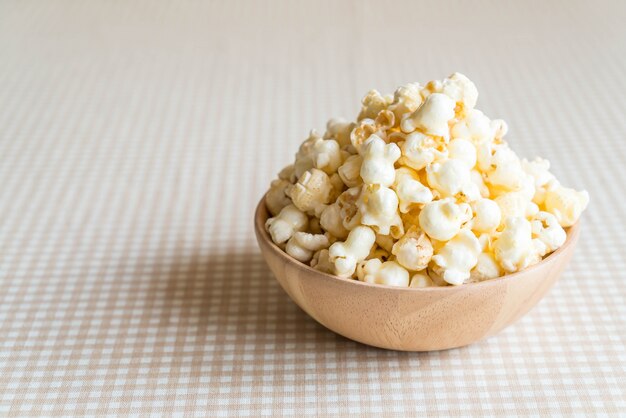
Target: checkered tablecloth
136, 138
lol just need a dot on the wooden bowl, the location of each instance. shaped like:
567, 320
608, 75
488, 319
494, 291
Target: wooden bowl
412, 319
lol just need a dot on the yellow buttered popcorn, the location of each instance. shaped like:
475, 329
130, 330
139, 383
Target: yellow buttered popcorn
420, 190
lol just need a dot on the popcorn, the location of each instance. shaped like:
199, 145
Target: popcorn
442, 219
326, 155
312, 191
420, 280
321, 262
458, 256
462, 150
348, 209
487, 216
566, 204
276, 199
414, 250
452, 177
410, 190
419, 150
431, 117
339, 130
346, 255
373, 103
514, 248
388, 273
378, 160
545, 227
283, 226
350, 171
362, 131
302, 245
475, 127
378, 207
406, 99
427, 162
486, 268
460, 89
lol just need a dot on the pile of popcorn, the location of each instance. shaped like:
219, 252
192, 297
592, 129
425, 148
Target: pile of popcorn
422, 190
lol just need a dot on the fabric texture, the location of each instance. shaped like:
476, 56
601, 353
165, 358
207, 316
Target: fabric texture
137, 137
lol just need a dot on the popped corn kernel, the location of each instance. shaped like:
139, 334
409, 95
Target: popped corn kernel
378, 162
289, 221
414, 250
431, 117
566, 204
302, 245
514, 248
421, 279
388, 273
345, 255
442, 219
312, 191
419, 150
411, 192
458, 257
378, 207
276, 199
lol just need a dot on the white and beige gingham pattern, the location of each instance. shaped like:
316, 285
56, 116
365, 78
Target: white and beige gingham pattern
136, 138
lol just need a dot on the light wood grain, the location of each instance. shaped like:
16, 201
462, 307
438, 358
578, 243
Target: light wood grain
412, 319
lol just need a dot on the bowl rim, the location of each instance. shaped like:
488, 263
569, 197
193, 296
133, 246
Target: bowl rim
259, 226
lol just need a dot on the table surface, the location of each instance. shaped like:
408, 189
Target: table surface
137, 137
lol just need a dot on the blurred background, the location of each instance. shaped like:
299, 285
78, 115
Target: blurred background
136, 138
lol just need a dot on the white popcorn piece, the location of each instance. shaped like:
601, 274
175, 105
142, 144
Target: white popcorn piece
431, 117
545, 227
348, 208
304, 156
421, 280
339, 130
283, 226
321, 262
462, 150
477, 178
515, 205
378, 206
514, 248
501, 166
362, 131
486, 268
312, 191
442, 219
373, 103
288, 173
346, 255
378, 162
388, 273
276, 199
450, 178
386, 119
331, 220
414, 250
302, 245
566, 204
460, 89
458, 257
350, 171
406, 99
419, 150
411, 192
476, 127
326, 155
487, 216
539, 169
